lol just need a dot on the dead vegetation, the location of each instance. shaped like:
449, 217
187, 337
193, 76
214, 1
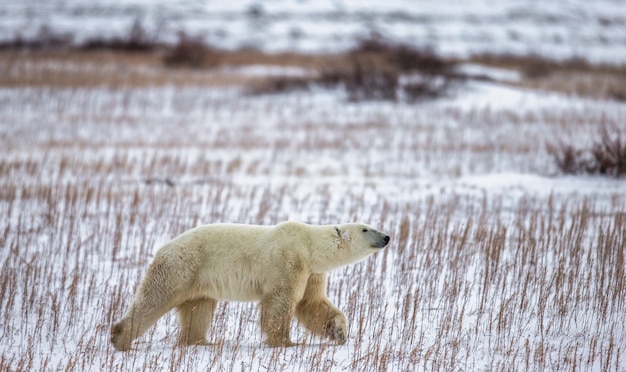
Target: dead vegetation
606, 156
93, 178
138, 40
374, 70
575, 76
475, 278
377, 70
191, 52
455, 285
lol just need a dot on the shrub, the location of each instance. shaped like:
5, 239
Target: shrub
363, 81
567, 158
405, 58
379, 70
281, 85
606, 157
46, 39
367, 84
609, 154
190, 52
429, 75
137, 40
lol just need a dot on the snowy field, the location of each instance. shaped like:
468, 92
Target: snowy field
498, 261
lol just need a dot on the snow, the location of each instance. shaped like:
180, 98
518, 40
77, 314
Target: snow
265, 71
312, 157
457, 28
498, 261
477, 71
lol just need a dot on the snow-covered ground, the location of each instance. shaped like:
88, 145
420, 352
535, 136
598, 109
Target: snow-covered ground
560, 29
497, 261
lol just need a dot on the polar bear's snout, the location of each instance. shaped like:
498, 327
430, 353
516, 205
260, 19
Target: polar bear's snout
377, 239
383, 241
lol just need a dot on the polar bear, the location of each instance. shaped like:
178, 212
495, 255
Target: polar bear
283, 267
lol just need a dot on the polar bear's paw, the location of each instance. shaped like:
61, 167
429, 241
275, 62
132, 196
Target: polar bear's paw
120, 340
336, 329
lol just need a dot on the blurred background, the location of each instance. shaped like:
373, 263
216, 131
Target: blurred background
593, 31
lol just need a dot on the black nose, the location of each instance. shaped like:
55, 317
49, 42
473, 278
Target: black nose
387, 238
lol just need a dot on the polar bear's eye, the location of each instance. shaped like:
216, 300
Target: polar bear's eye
364, 230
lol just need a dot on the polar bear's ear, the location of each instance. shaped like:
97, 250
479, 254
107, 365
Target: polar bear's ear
338, 232
343, 235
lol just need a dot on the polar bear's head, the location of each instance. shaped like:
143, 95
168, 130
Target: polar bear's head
354, 242
361, 236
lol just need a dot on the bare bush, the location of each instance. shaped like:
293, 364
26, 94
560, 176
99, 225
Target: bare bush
405, 58
364, 81
378, 70
607, 156
281, 85
191, 52
609, 153
137, 40
430, 75
428, 87
46, 39
567, 158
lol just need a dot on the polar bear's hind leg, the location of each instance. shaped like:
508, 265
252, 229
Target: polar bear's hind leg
157, 295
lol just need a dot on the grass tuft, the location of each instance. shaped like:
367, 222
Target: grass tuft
607, 156
138, 39
477, 277
46, 39
191, 52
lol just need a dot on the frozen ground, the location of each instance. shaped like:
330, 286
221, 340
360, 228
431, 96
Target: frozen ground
562, 29
497, 261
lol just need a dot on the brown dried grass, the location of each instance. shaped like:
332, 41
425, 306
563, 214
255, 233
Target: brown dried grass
575, 76
373, 71
607, 156
535, 283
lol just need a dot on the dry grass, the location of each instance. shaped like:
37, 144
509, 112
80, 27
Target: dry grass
607, 156
191, 52
454, 282
93, 179
377, 70
94, 69
372, 70
574, 76
118, 69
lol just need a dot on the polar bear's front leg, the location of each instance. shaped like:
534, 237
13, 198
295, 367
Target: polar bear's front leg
275, 322
318, 314
278, 305
195, 319
139, 318
276, 314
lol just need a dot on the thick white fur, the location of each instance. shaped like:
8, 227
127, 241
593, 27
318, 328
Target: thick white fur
284, 267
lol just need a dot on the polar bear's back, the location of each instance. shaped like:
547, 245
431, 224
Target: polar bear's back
225, 235
228, 261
